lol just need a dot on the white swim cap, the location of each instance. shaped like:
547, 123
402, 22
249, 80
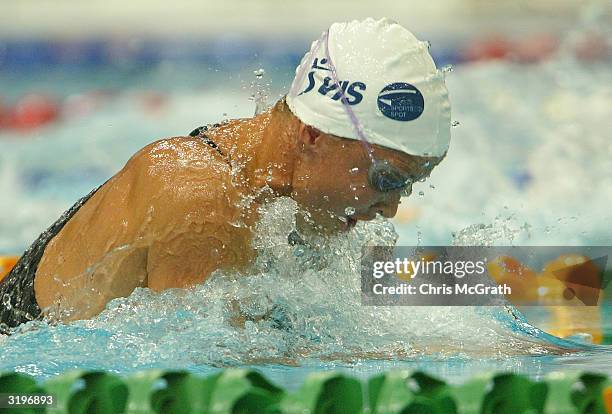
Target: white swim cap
390, 82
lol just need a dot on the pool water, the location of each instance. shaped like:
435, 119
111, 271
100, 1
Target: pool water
298, 310
529, 163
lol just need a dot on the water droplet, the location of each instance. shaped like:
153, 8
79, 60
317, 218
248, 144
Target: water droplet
6, 301
326, 198
432, 186
354, 170
349, 211
421, 193
427, 43
259, 73
455, 124
447, 68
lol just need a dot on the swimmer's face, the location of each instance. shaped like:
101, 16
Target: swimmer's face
331, 179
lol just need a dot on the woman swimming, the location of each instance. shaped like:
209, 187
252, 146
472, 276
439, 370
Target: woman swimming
367, 115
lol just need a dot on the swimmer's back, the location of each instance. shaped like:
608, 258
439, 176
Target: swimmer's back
166, 220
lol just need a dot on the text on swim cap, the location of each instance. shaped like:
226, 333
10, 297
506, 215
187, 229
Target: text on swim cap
350, 89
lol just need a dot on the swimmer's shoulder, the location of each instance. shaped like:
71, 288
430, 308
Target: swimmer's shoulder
182, 172
182, 158
176, 151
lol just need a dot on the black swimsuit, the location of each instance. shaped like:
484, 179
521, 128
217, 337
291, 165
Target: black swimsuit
17, 288
17, 298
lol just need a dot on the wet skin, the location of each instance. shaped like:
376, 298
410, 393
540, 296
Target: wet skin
179, 210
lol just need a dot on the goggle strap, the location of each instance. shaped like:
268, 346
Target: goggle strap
349, 111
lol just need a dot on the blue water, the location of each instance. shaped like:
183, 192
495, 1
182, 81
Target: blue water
312, 319
45, 352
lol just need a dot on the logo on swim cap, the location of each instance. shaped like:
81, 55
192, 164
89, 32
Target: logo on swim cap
401, 101
350, 90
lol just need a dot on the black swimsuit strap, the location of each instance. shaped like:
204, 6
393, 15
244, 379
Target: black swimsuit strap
200, 132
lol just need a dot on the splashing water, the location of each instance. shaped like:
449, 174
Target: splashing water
261, 91
299, 302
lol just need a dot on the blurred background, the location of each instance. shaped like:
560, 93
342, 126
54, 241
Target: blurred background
84, 84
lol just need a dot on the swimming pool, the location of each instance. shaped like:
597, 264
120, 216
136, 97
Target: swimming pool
529, 163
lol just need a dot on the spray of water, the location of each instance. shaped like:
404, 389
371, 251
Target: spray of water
301, 301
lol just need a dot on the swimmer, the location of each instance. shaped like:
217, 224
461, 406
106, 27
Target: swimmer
367, 115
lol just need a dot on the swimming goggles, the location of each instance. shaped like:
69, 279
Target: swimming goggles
385, 177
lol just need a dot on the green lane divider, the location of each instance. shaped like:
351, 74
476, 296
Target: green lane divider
326, 393
159, 391
84, 392
236, 391
513, 393
15, 383
577, 393
389, 393
403, 392
240, 391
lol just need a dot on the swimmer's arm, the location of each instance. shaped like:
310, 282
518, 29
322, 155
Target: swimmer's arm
189, 201
184, 260
193, 237
78, 285
85, 295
